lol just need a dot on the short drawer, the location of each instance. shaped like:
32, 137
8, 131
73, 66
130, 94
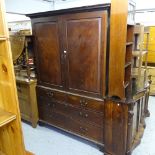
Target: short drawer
86, 103
86, 116
76, 113
51, 94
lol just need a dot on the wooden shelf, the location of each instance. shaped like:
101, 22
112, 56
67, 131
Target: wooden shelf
6, 117
126, 84
127, 64
1, 153
2, 38
138, 53
135, 72
129, 43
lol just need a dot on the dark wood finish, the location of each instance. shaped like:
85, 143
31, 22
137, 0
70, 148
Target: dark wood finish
86, 103
90, 72
92, 8
51, 94
130, 31
127, 120
87, 71
48, 52
63, 116
85, 74
80, 114
128, 56
79, 101
115, 127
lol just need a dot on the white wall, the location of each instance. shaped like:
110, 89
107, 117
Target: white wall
27, 6
31, 6
146, 18
145, 4
59, 4
14, 17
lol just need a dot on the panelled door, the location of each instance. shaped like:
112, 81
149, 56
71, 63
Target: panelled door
71, 51
48, 52
85, 51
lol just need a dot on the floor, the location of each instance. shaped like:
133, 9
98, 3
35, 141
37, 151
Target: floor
50, 141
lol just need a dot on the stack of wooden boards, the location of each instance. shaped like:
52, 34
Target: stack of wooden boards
151, 71
151, 55
151, 44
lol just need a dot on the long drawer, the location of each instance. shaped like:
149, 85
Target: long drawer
74, 100
70, 124
79, 114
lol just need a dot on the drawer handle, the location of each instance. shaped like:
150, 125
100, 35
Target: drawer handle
83, 103
83, 130
83, 115
53, 105
50, 94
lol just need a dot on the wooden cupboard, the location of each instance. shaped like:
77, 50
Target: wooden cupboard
84, 61
86, 73
27, 100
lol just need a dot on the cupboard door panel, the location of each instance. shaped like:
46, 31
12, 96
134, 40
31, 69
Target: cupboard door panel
48, 53
85, 42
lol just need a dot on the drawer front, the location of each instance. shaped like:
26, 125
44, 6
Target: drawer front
50, 94
88, 131
25, 107
79, 114
68, 123
74, 100
86, 103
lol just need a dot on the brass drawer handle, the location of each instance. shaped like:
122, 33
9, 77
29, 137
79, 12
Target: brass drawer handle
53, 105
82, 129
80, 114
50, 94
83, 115
83, 103
86, 115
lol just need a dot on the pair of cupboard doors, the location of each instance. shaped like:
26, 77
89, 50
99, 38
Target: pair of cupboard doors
71, 51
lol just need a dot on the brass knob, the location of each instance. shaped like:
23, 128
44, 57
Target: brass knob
80, 114
86, 115
53, 105
83, 130
50, 94
83, 103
